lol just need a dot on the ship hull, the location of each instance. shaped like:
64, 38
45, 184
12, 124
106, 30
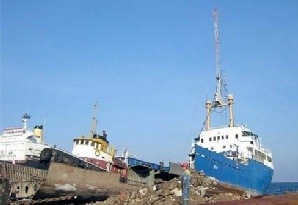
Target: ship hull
252, 176
117, 168
20, 182
80, 182
28, 163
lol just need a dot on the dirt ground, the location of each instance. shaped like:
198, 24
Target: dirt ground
285, 199
66, 180
203, 190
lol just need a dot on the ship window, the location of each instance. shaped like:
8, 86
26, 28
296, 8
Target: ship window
227, 136
214, 138
202, 140
86, 142
251, 142
82, 141
231, 146
222, 137
210, 139
247, 133
224, 146
236, 136
218, 137
212, 148
92, 144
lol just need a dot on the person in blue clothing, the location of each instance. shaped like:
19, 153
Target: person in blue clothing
185, 184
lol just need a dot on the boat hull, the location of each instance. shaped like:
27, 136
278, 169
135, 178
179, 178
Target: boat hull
118, 168
252, 176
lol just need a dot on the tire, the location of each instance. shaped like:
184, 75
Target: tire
46, 155
88, 167
58, 158
81, 164
75, 162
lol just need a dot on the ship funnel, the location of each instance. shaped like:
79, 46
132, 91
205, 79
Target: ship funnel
38, 131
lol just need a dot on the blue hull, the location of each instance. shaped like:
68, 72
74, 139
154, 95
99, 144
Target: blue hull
254, 177
135, 162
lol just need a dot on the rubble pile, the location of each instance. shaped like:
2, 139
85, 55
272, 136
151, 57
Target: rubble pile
203, 190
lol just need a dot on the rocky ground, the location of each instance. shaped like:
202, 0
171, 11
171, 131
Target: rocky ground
203, 190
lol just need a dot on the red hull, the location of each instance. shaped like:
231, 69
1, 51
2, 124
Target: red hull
116, 167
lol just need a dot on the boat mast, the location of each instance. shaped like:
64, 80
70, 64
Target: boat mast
94, 121
218, 98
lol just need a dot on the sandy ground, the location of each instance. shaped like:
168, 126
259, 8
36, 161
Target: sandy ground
285, 199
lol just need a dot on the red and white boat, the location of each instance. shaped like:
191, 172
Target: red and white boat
96, 149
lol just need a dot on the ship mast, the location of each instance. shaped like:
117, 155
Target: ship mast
218, 98
25, 119
94, 121
218, 95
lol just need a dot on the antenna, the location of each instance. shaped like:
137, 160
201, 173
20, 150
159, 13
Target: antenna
94, 121
218, 94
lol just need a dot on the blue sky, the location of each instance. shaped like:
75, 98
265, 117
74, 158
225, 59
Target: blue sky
151, 66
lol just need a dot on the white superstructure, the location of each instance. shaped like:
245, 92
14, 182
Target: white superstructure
18, 144
237, 143
96, 148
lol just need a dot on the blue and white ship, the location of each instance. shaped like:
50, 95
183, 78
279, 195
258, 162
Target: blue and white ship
231, 153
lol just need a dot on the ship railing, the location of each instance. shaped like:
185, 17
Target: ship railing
261, 147
218, 127
265, 149
225, 126
239, 125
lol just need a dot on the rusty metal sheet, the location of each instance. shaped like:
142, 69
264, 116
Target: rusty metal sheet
175, 168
